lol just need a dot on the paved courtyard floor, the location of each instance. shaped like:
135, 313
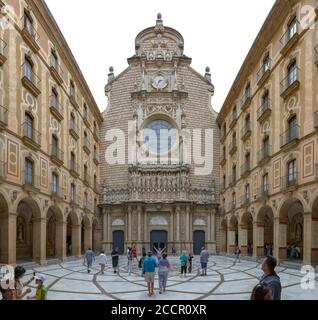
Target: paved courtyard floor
225, 281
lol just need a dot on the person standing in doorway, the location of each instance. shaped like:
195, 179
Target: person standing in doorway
89, 258
150, 265
204, 259
102, 260
183, 263
164, 267
237, 254
115, 259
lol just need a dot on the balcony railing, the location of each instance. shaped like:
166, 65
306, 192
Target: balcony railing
3, 117
87, 179
233, 147
96, 134
57, 155
74, 199
74, 168
264, 110
56, 108
87, 205
56, 70
31, 136
3, 171
3, 54
263, 192
290, 83
246, 131
290, 135
57, 192
30, 180
232, 205
246, 100
74, 130
288, 39
87, 118
290, 180
30, 80
96, 158
264, 154
222, 136
87, 146
245, 199
264, 72
74, 99
245, 168
233, 119
232, 180
30, 35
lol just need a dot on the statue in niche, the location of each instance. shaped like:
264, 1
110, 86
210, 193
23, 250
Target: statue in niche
298, 233
20, 231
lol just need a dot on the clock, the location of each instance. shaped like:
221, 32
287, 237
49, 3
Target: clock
159, 82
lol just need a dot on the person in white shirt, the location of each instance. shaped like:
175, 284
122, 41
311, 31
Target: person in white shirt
102, 260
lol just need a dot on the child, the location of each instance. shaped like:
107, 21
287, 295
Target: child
41, 291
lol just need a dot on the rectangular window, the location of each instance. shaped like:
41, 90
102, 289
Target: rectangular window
54, 183
292, 28
28, 70
292, 74
292, 129
265, 183
73, 192
28, 172
28, 24
292, 172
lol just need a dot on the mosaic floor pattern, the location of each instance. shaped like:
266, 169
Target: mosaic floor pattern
225, 281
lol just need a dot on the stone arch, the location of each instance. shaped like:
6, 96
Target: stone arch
246, 240
265, 230
73, 234
233, 236
5, 237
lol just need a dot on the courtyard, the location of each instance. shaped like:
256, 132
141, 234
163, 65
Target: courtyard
225, 281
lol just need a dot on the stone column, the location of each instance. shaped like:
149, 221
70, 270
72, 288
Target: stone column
76, 240
280, 238
231, 243
146, 230
61, 240
178, 245
188, 238
258, 239
171, 236
242, 239
88, 237
129, 219
139, 229
39, 240
307, 238
213, 234
8, 238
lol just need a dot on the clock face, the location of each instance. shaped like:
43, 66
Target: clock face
159, 82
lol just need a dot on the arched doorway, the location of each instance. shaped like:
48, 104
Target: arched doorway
159, 240
264, 241
246, 234
119, 241
198, 241
291, 229
54, 233
73, 235
233, 234
313, 232
223, 236
4, 231
28, 236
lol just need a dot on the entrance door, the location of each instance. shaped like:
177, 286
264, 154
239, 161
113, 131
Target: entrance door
119, 241
198, 241
158, 239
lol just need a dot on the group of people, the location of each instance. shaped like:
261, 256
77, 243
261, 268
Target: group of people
293, 251
15, 290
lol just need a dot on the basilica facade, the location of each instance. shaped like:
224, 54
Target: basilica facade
154, 194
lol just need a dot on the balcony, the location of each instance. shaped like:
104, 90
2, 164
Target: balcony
3, 171
245, 200
316, 56
30, 36
96, 158
233, 120
31, 137
87, 179
57, 156
222, 137
87, 206
223, 160
56, 108
246, 101
232, 180
74, 169
57, 193
245, 169
233, 147
287, 41
246, 131
290, 181
74, 100
31, 81
265, 110
3, 117
263, 192
264, 73
232, 205
316, 119
30, 182
56, 70
74, 130
74, 200
87, 119
87, 146
3, 52
96, 135
264, 155
290, 84
290, 137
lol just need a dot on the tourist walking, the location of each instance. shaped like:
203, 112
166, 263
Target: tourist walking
183, 263
115, 259
237, 253
41, 291
271, 278
164, 267
19, 273
102, 261
204, 259
149, 268
262, 292
190, 259
174, 251
89, 258
129, 260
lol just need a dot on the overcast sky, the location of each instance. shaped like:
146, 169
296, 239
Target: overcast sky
218, 34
